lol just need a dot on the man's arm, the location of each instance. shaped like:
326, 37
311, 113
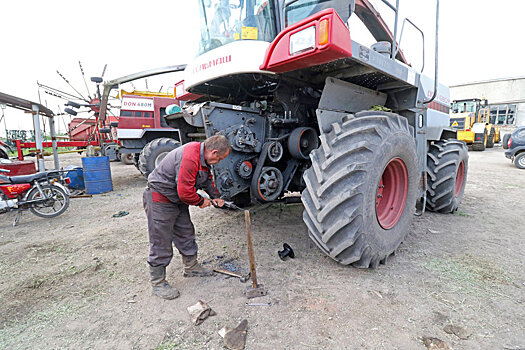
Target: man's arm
210, 188
186, 182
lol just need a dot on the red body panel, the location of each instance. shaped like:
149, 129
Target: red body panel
182, 94
13, 191
152, 122
339, 45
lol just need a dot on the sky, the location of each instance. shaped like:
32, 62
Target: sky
478, 40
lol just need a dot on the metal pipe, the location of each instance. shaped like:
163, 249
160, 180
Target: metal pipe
38, 138
54, 142
394, 44
436, 57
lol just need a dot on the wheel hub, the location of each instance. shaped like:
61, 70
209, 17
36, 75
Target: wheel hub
391, 193
460, 175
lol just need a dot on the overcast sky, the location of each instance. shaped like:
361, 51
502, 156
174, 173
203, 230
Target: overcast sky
477, 42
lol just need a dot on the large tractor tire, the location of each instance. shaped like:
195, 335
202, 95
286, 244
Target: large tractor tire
490, 138
505, 141
447, 168
361, 189
154, 152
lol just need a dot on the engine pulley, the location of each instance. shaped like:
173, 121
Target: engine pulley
268, 185
301, 142
275, 151
244, 169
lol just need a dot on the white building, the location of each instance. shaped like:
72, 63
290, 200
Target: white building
506, 98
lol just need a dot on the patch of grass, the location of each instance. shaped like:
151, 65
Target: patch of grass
20, 333
469, 274
167, 346
461, 213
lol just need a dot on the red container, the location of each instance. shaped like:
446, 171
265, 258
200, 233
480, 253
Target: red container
18, 167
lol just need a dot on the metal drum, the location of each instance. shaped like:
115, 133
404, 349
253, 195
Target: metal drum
97, 175
75, 173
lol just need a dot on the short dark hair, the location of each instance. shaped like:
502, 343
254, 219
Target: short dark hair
219, 143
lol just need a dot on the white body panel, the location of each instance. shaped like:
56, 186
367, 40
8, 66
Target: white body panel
137, 104
129, 133
241, 56
443, 95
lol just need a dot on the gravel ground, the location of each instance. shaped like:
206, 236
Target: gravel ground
80, 281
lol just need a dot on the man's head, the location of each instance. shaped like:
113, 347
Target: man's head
216, 148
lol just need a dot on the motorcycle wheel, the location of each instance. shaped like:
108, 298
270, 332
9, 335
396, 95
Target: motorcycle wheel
54, 206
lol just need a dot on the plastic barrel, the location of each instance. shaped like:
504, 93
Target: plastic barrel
97, 175
75, 174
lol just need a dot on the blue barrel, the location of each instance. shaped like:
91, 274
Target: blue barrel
97, 175
75, 173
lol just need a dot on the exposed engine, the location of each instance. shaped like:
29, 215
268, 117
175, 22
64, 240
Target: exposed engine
271, 133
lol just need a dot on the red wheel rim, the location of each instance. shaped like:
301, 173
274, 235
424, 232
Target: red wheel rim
392, 192
459, 178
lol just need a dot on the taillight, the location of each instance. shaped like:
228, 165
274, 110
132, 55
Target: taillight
67, 180
510, 142
323, 32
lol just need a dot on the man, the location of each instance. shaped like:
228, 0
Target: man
171, 190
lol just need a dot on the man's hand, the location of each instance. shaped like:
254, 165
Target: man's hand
205, 204
218, 202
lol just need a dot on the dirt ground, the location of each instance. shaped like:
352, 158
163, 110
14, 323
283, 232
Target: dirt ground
80, 281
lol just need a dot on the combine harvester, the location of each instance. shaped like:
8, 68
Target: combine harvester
284, 81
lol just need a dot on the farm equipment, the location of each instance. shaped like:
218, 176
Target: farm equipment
143, 131
471, 119
286, 84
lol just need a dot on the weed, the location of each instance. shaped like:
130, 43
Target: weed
469, 273
167, 346
461, 213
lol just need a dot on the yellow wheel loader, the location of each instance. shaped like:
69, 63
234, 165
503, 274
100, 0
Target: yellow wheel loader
470, 118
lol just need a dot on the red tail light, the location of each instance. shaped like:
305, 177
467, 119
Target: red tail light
510, 142
67, 180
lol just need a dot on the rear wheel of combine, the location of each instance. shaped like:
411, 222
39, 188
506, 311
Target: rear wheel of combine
361, 188
447, 164
490, 138
505, 141
154, 152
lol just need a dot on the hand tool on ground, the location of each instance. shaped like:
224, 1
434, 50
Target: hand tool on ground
243, 278
287, 251
256, 290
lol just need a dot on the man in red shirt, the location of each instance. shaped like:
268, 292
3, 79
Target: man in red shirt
172, 188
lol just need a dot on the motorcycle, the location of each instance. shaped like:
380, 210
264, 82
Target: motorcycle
45, 194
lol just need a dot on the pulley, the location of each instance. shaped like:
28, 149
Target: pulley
275, 151
301, 142
268, 185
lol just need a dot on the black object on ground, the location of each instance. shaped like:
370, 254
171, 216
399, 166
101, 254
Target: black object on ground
287, 251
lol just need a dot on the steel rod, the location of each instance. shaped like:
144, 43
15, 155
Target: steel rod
251, 254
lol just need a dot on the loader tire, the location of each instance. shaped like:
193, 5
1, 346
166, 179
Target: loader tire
349, 216
480, 146
490, 138
154, 152
505, 141
447, 168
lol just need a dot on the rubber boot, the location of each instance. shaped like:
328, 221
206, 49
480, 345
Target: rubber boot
160, 286
192, 268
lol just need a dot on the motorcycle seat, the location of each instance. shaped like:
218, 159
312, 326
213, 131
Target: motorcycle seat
22, 179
